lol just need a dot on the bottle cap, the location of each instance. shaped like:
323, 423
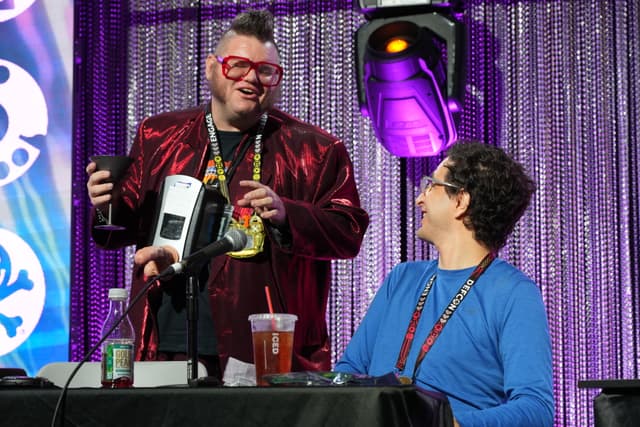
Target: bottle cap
119, 294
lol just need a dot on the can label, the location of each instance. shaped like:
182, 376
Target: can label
118, 362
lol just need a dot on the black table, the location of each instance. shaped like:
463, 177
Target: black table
618, 404
232, 406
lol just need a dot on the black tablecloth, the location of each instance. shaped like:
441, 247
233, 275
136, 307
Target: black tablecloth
242, 406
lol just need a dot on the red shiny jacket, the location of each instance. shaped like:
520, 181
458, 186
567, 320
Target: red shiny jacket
312, 173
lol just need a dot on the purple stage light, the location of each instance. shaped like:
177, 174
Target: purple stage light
406, 89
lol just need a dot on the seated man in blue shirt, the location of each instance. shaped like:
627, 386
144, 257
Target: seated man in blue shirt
468, 324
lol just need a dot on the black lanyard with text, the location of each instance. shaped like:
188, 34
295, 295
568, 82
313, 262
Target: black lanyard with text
442, 321
216, 152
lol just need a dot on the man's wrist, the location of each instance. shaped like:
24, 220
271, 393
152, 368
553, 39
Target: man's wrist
281, 234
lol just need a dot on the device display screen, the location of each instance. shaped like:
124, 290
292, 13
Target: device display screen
172, 226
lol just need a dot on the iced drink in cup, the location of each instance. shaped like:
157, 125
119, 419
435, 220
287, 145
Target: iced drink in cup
272, 343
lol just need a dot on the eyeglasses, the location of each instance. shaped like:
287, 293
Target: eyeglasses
237, 67
426, 182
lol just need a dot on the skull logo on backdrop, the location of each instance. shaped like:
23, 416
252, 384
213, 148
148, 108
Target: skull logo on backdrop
23, 114
9, 9
22, 291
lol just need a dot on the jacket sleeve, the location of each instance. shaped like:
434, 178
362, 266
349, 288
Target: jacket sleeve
327, 222
166, 144
126, 197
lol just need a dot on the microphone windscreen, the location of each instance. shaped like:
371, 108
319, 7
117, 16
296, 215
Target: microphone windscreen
237, 238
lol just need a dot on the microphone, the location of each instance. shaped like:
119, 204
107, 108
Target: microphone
233, 240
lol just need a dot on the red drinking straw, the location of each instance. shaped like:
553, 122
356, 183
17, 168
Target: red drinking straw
268, 294
273, 318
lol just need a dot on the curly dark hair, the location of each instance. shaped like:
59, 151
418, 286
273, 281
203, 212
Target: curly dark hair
256, 23
498, 186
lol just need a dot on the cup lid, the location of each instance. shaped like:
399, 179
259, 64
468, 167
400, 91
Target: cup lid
269, 316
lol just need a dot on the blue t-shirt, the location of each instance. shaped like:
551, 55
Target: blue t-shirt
492, 359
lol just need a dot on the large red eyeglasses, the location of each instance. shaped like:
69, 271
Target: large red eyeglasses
237, 67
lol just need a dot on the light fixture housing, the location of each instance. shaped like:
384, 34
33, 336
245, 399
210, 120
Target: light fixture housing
409, 75
369, 6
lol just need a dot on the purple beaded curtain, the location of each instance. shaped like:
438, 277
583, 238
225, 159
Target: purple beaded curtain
100, 89
552, 82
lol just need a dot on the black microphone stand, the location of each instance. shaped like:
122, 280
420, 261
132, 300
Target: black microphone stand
192, 290
192, 266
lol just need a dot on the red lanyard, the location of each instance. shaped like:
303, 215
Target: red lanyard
444, 317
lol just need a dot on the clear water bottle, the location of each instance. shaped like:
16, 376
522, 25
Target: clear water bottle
117, 349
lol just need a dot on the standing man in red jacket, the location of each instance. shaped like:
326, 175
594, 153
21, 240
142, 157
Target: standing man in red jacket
290, 178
